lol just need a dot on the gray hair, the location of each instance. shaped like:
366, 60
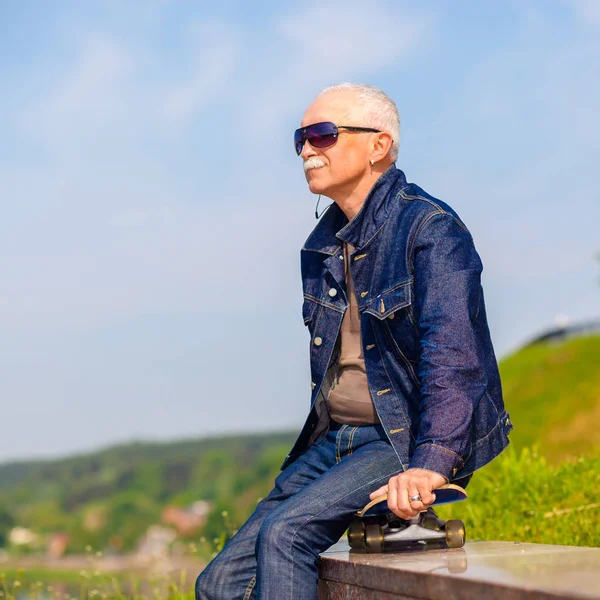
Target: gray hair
382, 112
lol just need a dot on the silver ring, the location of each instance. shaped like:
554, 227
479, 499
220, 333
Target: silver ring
415, 498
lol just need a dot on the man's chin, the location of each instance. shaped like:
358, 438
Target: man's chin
316, 184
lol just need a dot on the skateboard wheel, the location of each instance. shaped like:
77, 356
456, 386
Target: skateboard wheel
356, 535
455, 534
373, 538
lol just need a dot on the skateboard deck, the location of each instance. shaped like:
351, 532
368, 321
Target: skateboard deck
375, 527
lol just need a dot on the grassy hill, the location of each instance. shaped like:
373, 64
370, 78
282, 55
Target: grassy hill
521, 497
552, 391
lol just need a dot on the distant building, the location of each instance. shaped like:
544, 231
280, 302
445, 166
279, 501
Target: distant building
58, 543
21, 536
156, 541
187, 520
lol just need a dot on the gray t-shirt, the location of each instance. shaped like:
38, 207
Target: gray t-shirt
349, 399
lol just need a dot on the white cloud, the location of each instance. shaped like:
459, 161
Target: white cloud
328, 43
352, 36
215, 50
85, 100
587, 10
114, 91
103, 64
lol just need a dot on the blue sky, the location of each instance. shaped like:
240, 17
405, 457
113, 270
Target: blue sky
154, 209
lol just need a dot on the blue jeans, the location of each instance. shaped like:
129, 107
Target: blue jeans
274, 556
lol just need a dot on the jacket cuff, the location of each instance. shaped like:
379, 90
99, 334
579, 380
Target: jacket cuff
436, 458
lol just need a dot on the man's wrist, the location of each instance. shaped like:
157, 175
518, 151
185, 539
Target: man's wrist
446, 480
437, 459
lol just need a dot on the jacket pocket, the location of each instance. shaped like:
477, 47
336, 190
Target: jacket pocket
392, 309
388, 302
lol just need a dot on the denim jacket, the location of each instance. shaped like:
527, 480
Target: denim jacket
430, 363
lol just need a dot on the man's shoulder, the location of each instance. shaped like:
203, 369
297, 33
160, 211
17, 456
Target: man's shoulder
423, 205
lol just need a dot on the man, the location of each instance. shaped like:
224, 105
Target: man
405, 390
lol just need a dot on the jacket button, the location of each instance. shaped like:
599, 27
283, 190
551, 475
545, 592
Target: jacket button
313, 385
333, 292
317, 341
391, 316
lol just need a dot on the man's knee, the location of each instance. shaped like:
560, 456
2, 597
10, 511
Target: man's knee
271, 534
281, 531
276, 531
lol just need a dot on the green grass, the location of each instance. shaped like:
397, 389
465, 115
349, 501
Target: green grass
522, 497
40, 584
552, 391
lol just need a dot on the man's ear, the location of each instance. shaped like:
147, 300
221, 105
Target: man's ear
382, 146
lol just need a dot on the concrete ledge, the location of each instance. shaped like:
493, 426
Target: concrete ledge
503, 570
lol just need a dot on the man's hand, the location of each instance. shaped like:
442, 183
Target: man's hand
410, 483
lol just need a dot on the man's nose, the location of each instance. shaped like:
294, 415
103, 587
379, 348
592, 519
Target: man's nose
307, 150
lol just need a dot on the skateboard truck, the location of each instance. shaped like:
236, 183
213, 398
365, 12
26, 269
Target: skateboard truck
375, 527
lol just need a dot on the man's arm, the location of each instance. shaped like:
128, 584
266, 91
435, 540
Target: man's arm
452, 373
447, 279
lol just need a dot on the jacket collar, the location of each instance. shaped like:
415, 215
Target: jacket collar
335, 227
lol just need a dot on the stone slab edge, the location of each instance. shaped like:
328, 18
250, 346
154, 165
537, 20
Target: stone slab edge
428, 586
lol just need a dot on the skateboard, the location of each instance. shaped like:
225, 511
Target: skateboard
375, 527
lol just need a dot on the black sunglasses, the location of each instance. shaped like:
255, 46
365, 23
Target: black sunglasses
323, 135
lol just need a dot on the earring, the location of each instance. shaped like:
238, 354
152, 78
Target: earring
372, 162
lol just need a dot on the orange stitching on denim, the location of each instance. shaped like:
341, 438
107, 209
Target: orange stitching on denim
339, 443
396, 304
409, 248
446, 450
249, 588
351, 440
322, 302
399, 404
397, 286
498, 423
412, 197
314, 335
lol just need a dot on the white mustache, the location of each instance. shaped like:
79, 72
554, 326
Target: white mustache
313, 163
